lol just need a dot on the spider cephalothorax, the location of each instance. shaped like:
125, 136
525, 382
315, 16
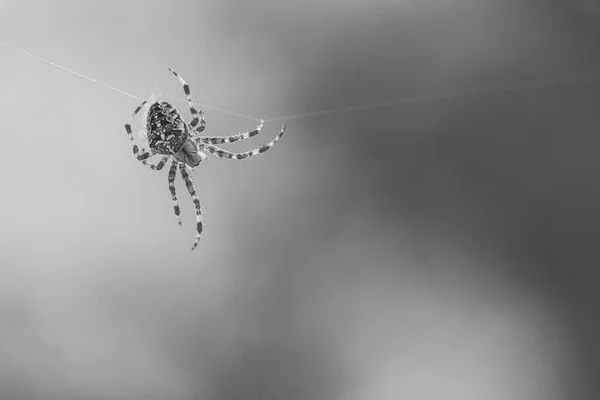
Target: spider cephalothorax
170, 136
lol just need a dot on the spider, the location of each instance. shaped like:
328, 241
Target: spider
170, 136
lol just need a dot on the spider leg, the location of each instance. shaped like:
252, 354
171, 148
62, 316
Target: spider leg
188, 95
233, 138
240, 156
200, 128
190, 187
136, 151
172, 172
156, 167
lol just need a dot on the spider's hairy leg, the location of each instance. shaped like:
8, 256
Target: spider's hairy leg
156, 167
190, 187
172, 174
202, 126
136, 150
240, 156
188, 95
233, 138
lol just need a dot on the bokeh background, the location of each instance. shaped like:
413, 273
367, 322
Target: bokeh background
445, 248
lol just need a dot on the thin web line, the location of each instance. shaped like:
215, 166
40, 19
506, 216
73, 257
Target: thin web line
393, 103
69, 70
114, 88
215, 108
444, 96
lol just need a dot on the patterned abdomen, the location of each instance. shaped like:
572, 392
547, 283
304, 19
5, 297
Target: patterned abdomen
167, 132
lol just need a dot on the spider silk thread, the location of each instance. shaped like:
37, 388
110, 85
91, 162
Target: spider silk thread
117, 89
490, 90
359, 107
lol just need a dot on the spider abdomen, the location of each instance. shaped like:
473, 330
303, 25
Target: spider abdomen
167, 131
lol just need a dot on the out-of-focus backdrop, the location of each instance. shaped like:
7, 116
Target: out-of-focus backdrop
440, 249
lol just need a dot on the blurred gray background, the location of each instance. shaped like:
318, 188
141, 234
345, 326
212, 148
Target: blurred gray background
439, 249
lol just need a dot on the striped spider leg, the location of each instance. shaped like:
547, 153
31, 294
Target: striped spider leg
172, 175
234, 137
222, 153
192, 191
193, 111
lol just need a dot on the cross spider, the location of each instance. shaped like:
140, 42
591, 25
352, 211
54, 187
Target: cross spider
170, 136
